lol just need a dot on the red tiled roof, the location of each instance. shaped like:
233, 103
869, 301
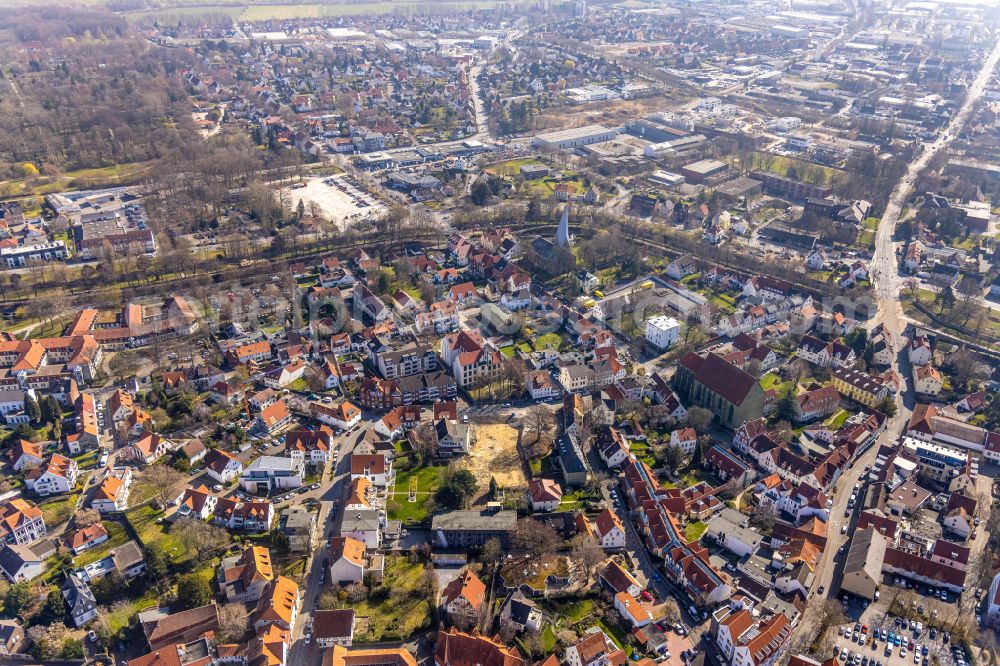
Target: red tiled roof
720, 376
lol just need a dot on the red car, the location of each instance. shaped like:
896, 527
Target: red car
646, 596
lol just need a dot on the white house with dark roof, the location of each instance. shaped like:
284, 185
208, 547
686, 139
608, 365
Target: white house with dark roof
222, 466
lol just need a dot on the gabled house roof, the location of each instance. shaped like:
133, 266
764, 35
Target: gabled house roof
468, 587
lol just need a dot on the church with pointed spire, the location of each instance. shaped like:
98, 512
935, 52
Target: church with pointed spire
563, 237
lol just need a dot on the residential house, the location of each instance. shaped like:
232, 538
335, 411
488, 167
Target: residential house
456, 648
347, 560
452, 437
544, 494
21, 522
278, 605
146, 449
254, 516
816, 402
197, 503
222, 466
377, 468
87, 537
243, 578
609, 530
315, 446
167, 629
571, 461
81, 606
919, 350
594, 649
344, 415
927, 380
299, 526
614, 578
860, 387
274, 417
576, 378
540, 386
684, 439
23, 563
682, 266
11, 637
463, 294
56, 476
25, 455
520, 613
631, 610
463, 599
336, 628
193, 451
112, 495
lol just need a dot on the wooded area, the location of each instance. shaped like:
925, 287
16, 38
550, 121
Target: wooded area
81, 89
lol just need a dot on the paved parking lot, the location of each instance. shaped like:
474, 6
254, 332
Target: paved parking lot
337, 199
909, 647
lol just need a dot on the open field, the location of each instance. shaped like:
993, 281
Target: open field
493, 453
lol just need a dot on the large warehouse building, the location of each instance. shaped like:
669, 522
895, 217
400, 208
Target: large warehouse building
575, 137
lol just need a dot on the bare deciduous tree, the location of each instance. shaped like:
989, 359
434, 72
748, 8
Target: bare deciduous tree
233, 622
159, 482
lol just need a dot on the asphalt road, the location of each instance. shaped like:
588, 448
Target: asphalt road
888, 290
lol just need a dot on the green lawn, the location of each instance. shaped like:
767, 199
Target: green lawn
549, 639
117, 537
690, 476
507, 351
547, 340
572, 501
614, 633
428, 479
58, 511
770, 381
575, 611
642, 451
723, 305
402, 612
121, 613
298, 385
837, 419
540, 466
154, 534
512, 167
694, 530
